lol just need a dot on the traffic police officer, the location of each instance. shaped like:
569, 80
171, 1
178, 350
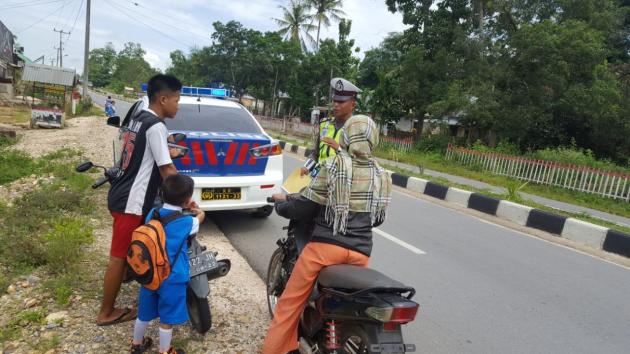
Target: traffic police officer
344, 102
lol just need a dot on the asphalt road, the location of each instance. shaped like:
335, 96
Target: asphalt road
121, 106
482, 288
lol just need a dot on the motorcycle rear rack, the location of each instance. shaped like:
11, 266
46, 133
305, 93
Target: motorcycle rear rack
346, 295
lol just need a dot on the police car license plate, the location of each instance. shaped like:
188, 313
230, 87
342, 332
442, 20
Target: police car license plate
221, 193
202, 263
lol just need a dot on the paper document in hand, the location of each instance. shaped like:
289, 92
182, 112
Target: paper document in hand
294, 183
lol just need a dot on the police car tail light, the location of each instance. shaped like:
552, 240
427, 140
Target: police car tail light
266, 150
402, 314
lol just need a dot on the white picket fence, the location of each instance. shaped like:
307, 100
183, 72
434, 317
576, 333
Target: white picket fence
287, 126
404, 144
609, 184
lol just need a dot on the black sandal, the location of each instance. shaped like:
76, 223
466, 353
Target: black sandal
147, 342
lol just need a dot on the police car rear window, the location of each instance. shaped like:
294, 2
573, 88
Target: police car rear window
207, 118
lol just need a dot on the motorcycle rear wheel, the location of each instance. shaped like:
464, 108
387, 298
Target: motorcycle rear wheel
354, 339
274, 280
198, 312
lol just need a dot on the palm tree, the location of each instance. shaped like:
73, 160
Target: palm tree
325, 10
296, 23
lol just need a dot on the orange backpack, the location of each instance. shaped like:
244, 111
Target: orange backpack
147, 258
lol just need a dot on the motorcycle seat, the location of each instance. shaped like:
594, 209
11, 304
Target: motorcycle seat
351, 277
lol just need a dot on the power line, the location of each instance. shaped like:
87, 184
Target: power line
75, 21
38, 21
63, 7
27, 4
166, 23
179, 41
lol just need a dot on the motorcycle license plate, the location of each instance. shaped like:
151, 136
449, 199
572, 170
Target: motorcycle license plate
202, 263
232, 193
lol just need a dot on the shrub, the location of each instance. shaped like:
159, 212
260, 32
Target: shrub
6, 141
64, 243
436, 143
15, 165
32, 317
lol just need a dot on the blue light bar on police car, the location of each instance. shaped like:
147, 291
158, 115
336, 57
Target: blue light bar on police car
199, 91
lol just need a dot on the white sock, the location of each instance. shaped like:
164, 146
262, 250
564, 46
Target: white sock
165, 339
138, 331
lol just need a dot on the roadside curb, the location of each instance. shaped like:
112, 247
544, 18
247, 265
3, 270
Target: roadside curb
595, 236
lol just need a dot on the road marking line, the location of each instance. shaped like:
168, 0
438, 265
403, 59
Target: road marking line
398, 241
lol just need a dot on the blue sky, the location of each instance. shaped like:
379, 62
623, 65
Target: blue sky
180, 24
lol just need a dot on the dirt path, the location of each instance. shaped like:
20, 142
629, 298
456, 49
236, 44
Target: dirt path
238, 303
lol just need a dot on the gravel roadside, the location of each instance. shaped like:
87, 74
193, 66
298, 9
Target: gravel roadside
238, 303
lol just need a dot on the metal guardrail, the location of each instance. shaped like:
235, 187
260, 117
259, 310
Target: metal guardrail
586, 179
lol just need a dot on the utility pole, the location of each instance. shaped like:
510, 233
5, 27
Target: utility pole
57, 57
60, 54
52, 61
86, 52
330, 87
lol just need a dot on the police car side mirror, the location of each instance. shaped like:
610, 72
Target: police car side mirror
176, 137
177, 151
114, 121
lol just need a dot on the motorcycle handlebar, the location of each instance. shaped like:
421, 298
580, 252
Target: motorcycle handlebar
101, 181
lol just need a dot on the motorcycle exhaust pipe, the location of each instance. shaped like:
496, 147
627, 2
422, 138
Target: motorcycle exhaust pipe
221, 270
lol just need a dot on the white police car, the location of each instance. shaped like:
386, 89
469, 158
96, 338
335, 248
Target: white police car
234, 163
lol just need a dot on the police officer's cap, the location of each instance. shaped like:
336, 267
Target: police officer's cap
343, 89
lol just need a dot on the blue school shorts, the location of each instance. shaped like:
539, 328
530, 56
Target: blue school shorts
168, 303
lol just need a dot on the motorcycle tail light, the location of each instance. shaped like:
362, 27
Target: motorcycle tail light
266, 150
399, 314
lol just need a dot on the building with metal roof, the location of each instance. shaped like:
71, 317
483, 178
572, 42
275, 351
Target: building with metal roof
48, 74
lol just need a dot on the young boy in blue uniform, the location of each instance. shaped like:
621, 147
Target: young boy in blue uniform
168, 302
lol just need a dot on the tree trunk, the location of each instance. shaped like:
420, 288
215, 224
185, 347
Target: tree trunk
419, 127
480, 13
319, 25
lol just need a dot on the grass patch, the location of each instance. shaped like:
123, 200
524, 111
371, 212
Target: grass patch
13, 329
290, 140
45, 345
32, 317
49, 225
15, 115
15, 165
64, 243
6, 141
435, 161
61, 288
89, 111
579, 216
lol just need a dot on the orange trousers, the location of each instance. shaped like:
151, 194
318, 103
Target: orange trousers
282, 334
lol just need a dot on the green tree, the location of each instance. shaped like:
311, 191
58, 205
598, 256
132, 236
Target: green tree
325, 11
295, 23
131, 68
102, 64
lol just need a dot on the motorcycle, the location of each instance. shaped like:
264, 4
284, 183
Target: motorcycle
204, 266
352, 309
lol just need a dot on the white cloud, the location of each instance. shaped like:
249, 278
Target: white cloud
155, 59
